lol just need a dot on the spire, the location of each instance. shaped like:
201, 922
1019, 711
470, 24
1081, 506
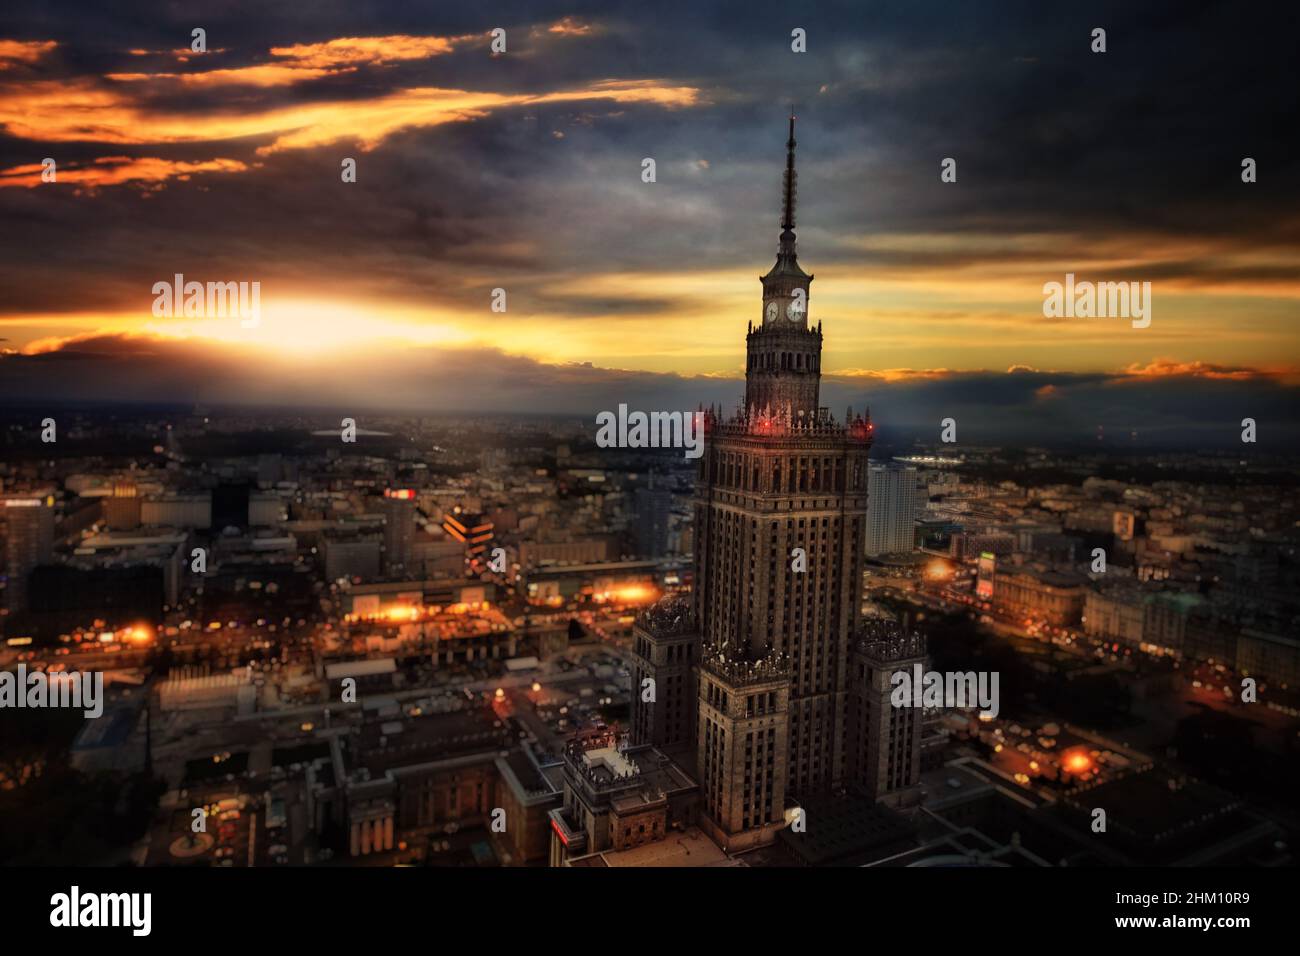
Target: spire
791, 188
778, 281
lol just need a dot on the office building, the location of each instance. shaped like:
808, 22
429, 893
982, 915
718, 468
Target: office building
891, 515
29, 543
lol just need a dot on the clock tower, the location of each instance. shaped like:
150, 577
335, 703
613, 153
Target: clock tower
783, 367
780, 522
765, 676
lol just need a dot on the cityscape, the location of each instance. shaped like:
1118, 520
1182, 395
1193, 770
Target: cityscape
292, 582
498, 591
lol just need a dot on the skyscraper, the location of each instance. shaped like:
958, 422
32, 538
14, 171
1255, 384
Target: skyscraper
891, 517
29, 542
780, 524
651, 507
399, 529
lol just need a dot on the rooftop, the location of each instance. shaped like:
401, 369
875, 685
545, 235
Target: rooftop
611, 760
687, 848
381, 746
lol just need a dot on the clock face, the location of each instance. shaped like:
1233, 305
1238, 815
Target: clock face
772, 310
795, 309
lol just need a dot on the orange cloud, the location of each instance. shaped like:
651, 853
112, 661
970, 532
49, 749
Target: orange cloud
13, 52
350, 51
266, 74
97, 342
570, 27
895, 374
89, 112
370, 122
1168, 368
115, 170
309, 61
84, 112
180, 53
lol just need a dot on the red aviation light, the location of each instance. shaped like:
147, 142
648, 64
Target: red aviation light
861, 429
560, 833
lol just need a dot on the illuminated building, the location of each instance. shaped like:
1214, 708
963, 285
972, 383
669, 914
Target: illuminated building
454, 633
780, 533
966, 545
1123, 524
476, 533
620, 581
987, 570
1054, 596
193, 688
399, 530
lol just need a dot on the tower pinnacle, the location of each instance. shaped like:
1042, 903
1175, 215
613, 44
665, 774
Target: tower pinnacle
789, 192
784, 280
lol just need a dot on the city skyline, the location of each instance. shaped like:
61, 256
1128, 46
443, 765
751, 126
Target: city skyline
708, 437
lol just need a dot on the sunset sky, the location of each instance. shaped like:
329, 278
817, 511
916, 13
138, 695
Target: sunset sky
523, 171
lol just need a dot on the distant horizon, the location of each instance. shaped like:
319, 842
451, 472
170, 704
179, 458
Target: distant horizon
900, 439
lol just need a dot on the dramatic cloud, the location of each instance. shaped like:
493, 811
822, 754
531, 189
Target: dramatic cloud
523, 172
52, 113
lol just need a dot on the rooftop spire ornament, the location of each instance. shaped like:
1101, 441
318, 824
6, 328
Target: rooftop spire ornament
790, 190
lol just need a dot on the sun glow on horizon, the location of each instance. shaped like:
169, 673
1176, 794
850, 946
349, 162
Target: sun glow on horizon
301, 327
287, 329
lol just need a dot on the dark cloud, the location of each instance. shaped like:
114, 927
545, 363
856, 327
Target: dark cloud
1200, 405
1146, 139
